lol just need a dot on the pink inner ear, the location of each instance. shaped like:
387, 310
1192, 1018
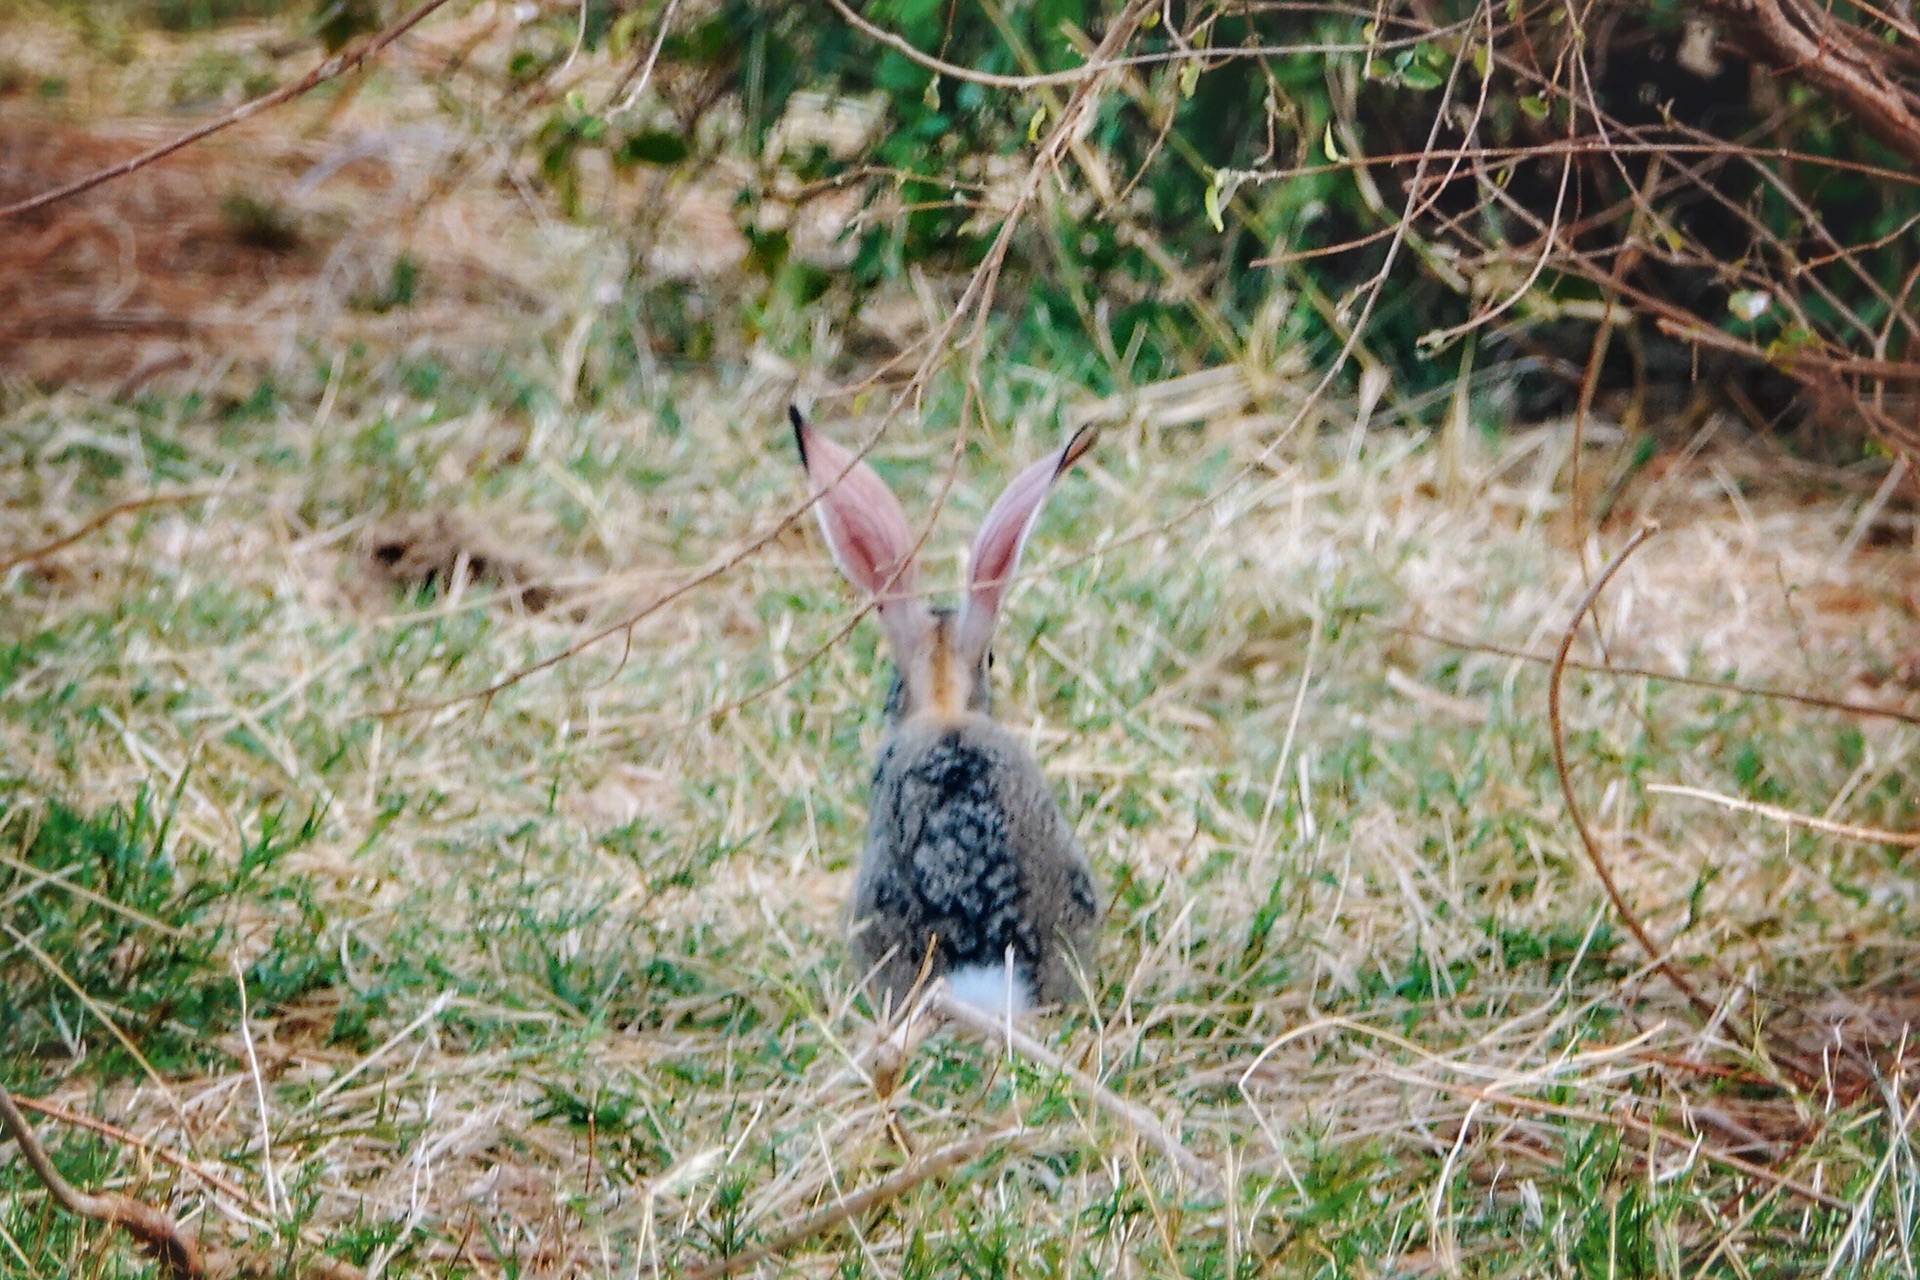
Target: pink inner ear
865, 527
1002, 537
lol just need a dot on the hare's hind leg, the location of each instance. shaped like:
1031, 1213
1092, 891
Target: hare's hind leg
888, 963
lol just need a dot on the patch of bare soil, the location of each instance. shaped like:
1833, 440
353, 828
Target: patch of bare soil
245, 247
442, 552
143, 274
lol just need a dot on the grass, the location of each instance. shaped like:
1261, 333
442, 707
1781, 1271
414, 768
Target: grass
551, 982
558, 975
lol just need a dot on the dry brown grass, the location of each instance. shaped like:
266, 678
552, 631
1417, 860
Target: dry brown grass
587, 890
566, 991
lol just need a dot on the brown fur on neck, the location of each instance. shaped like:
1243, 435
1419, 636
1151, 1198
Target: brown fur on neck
934, 683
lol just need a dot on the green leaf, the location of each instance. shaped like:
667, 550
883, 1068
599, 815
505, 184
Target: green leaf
1534, 107
1792, 343
1189, 77
338, 21
1327, 145
655, 146
1420, 77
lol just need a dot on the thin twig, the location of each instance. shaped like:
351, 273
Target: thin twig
1648, 1129
941, 1003
1096, 64
233, 1190
1670, 677
935, 1164
100, 521
975, 298
1656, 954
1826, 826
331, 69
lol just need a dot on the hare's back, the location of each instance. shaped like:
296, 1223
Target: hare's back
967, 848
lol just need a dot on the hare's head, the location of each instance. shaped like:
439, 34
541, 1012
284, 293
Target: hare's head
940, 655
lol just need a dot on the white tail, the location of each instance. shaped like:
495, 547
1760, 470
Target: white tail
996, 989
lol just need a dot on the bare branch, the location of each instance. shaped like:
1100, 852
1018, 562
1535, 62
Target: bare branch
101, 521
152, 1229
1655, 953
1808, 42
332, 69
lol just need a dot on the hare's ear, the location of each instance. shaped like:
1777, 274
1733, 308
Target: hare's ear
866, 530
996, 551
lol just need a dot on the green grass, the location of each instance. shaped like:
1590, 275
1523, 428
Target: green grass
559, 973
552, 982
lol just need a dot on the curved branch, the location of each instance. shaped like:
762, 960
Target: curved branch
1807, 42
156, 1232
1656, 954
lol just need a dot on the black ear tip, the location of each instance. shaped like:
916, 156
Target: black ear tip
799, 430
1079, 446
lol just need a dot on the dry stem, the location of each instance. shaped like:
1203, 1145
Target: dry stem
1865, 709
941, 1003
1806, 40
1647, 1129
1656, 954
225, 1186
1844, 830
935, 1164
155, 1230
100, 521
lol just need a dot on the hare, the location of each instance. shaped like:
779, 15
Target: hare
971, 872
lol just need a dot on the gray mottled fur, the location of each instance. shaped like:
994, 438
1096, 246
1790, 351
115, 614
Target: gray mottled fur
969, 863
967, 856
